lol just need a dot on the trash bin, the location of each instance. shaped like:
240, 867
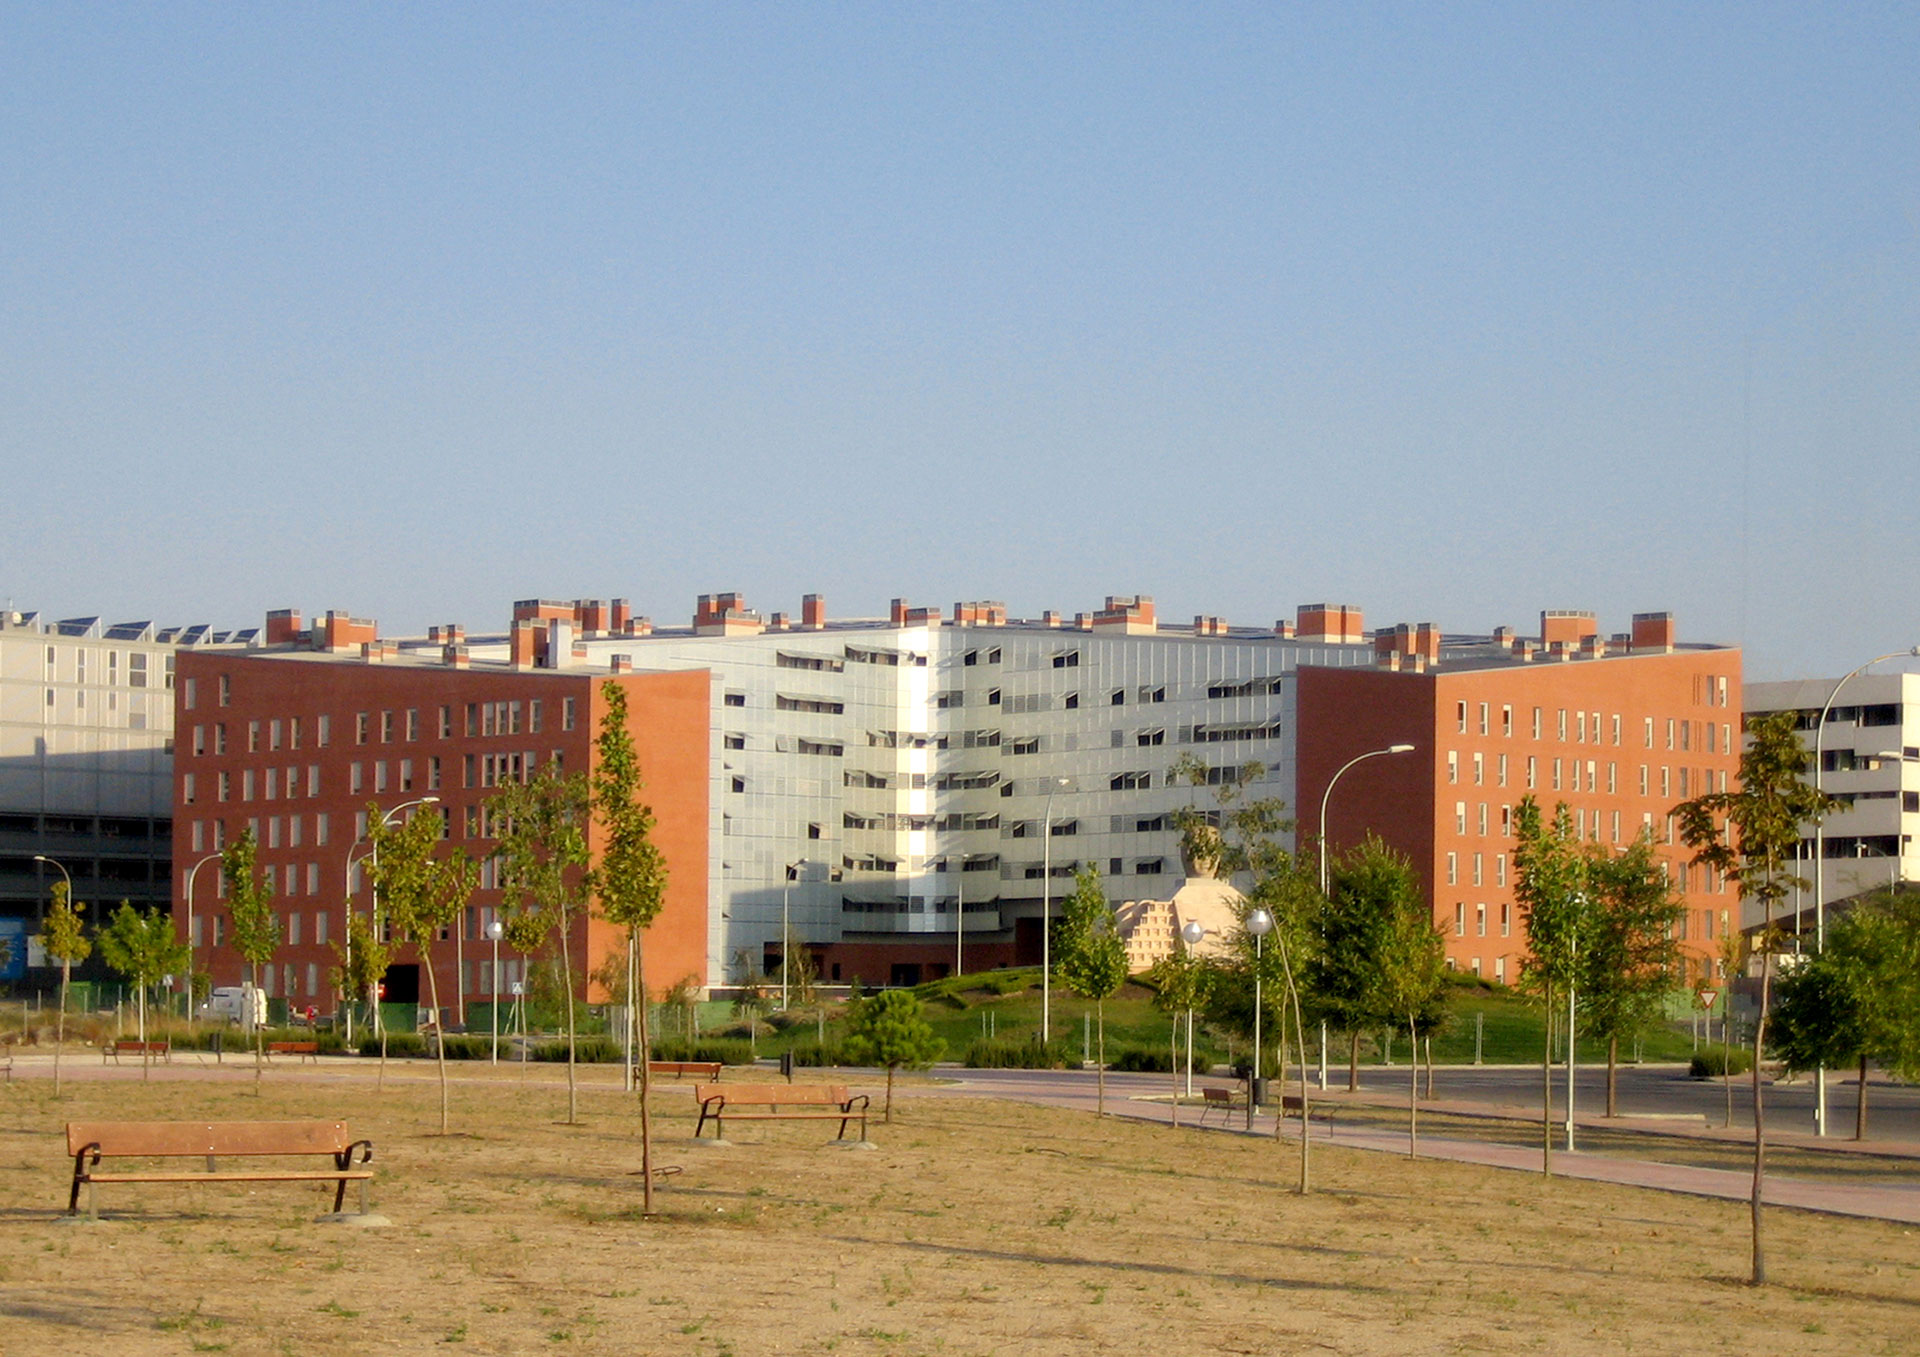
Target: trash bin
213, 1044
1259, 1092
786, 1065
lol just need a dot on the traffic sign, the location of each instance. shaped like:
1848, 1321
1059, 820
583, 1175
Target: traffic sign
1707, 997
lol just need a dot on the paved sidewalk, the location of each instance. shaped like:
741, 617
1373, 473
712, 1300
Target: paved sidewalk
1145, 1099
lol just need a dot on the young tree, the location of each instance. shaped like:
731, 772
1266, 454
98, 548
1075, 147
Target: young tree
887, 1029
1180, 981
422, 895
1365, 887
1752, 836
256, 928
1408, 963
1550, 883
141, 948
630, 882
364, 958
64, 938
1090, 958
543, 851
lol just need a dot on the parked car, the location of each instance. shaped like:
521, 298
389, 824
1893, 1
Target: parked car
230, 1003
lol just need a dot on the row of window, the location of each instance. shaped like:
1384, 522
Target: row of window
1567, 775
1680, 734
138, 667
480, 720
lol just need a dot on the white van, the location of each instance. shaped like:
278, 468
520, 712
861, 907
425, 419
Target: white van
231, 1002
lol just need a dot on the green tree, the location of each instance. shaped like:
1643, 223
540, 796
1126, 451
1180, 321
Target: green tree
256, 928
1180, 981
64, 938
1411, 982
543, 853
141, 948
423, 895
887, 1029
630, 883
364, 957
1859, 1000
1752, 836
1632, 953
1365, 887
1090, 958
1550, 883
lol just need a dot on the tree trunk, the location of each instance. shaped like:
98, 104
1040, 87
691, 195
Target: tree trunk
1860, 1104
1759, 1123
140, 1010
433, 997
1173, 1049
1353, 1061
888, 1116
1413, 1090
566, 999
1546, 1091
259, 1036
1100, 1052
380, 1030
1613, 1069
645, 1075
60, 1024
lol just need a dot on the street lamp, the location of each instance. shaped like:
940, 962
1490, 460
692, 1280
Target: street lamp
1327, 796
786, 879
1191, 933
55, 862
1259, 923
1819, 865
494, 929
1046, 913
192, 872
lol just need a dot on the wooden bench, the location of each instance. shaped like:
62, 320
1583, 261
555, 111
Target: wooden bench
709, 1070
1225, 1101
779, 1102
89, 1142
299, 1050
1290, 1107
113, 1050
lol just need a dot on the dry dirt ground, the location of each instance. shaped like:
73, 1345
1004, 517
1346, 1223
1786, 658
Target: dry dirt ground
973, 1227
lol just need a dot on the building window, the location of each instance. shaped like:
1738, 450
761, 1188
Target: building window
1453, 869
1460, 717
1479, 770
1561, 725
1479, 929
567, 708
1533, 769
1479, 875
1506, 721
1536, 723
323, 731
1459, 920
1482, 821
356, 778
1500, 771
1499, 869
1453, 767
1460, 817
226, 690
188, 692
1506, 919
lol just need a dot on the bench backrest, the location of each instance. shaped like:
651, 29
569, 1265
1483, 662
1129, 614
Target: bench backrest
129, 1044
288, 1047
1218, 1095
182, 1138
773, 1095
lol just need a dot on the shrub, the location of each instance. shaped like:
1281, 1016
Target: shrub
1143, 1060
832, 1054
1017, 1055
467, 1047
586, 1051
706, 1048
1711, 1062
401, 1045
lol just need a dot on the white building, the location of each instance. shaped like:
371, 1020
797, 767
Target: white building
86, 746
1870, 841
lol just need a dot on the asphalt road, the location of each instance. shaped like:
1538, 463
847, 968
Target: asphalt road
1893, 1110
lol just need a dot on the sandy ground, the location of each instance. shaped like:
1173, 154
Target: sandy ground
975, 1226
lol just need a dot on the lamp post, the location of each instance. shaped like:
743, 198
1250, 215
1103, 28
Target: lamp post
346, 943
494, 929
1259, 923
192, 872
1327, 796
61, 867
1819, 864
1191, 933
786, 879
1046, 913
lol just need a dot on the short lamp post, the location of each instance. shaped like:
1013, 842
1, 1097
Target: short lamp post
1259, 923
1192, 932
494, 930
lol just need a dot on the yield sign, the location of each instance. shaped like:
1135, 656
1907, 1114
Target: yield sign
1707, 997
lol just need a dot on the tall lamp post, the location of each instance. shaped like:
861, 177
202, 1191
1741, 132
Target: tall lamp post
1259, 923
1046, 913
1819, 864
1191, 933
386, 820
1327, 796
192, 872
494, 929
787, 877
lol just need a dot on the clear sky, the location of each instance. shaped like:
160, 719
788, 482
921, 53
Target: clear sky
1456, 312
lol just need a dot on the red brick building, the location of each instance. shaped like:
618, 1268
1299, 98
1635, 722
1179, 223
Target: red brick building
1620, 729
297, 738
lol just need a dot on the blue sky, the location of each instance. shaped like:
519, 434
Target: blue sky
1454, 312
